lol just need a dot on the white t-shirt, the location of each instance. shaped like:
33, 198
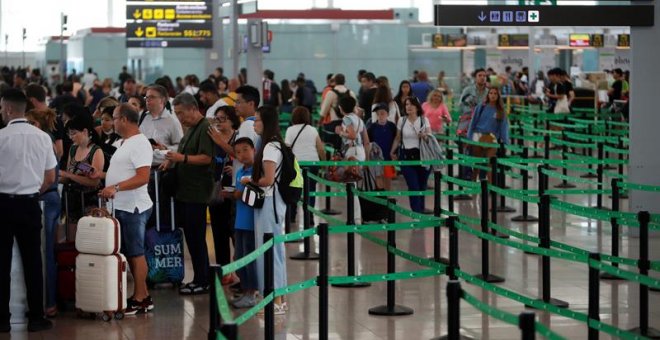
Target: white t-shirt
134, 153
247, 130
210, 112
26, 152
305, 147
409, 131
272, 153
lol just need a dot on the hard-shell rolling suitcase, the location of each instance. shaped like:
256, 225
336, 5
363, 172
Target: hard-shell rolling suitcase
98, 233
164, 248
101, 285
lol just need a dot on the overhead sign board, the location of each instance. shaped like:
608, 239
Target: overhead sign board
169, 24
449, 40
516, 15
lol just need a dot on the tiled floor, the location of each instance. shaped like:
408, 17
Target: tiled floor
178, 317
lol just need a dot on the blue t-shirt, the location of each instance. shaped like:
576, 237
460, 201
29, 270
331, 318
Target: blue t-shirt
383, 135
244, 213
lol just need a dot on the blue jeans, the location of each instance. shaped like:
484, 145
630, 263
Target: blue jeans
416, 178
52, 209
132, 226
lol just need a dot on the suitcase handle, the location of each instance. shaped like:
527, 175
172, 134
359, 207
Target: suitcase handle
100, 212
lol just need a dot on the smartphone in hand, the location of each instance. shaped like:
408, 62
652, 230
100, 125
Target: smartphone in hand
84, 168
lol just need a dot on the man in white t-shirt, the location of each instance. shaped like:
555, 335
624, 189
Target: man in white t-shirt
246, 104
126, 182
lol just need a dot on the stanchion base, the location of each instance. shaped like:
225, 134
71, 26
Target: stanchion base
443, 260
505, 209
352, 285
396, 311
490, 278
608, 276
305, 257
527, 218
460, 337
589, 176
462, 198
554, 302
565, 186
650, 332
330, 212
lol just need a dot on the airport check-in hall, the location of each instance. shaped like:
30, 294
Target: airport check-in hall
254, 169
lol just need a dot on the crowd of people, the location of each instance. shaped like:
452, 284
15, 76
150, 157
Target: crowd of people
90, 138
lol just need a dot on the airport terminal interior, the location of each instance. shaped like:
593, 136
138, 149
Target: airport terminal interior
458, 169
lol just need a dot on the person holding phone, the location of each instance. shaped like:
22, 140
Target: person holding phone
85, 155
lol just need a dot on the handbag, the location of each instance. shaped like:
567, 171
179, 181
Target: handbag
253, 196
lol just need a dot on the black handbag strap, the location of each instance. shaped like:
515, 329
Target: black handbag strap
298, 135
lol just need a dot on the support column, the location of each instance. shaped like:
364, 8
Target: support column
254, 59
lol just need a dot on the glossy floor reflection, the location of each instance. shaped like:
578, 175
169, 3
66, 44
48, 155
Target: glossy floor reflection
178, 317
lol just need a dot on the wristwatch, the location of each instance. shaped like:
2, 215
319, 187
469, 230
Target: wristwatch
116, 187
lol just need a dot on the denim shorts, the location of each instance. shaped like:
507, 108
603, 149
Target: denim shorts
132, 231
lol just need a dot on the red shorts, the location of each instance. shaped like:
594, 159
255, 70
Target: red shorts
389, 171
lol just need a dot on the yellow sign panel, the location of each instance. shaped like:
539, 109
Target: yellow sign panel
139, 32
170, 14
151, 32
147, 14
158, 14
137, 14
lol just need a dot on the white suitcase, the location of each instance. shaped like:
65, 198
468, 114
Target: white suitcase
101, 285
98, 234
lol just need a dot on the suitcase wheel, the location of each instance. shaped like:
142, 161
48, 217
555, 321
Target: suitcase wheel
119, 315
106, 317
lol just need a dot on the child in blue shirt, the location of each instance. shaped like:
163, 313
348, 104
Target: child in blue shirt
244, 225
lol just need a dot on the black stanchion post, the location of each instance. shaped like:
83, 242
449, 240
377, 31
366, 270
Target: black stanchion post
599, 172
493, 201
462, 174
594, 295
536, 144
485, 271
437, 212
546, 146
350, 239
525, 217
644, 265
622, 195
328, 204
450, 185
269, 287
230, 331
307, 253
453, 248
589, 153
454, 295
527, 325
501, 182
214, 317
615, 229
391, 308
564, 171
322, 281
544, 237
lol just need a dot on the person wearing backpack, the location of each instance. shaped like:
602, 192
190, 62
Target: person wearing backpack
331, 115
306, 145
267, 173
